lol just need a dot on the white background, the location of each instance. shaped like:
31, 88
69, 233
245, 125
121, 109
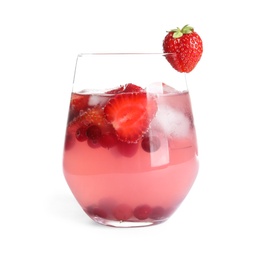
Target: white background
39, 41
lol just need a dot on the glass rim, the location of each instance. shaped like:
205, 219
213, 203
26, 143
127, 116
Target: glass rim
123, 53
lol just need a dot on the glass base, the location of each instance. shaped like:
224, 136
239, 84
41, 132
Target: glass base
126, 224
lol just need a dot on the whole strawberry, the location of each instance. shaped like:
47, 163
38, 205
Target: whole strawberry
183, 48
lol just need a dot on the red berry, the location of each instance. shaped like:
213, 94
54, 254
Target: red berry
122, 212
108, 140
127, 150
74, 125
93, 143
93, 132
142, 212
90, 124
78, 102
130, 114
150, 144
94, 211
81, 134
98, 212
158, 213
183, 48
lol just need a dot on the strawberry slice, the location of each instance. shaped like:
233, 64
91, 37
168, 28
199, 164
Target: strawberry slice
76, 128
90, 124
129, 87
78, 102
132, 88
94, 115
130, 114
117, 90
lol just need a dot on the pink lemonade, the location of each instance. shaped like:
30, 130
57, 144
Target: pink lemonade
117, 182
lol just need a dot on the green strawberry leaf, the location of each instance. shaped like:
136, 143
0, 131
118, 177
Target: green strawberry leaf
187, 29
177, 33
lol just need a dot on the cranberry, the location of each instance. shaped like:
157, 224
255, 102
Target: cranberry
93, 132
150, 144
81, 135
127, 149
122, 212
93, 143
94, 211
108, 140
142, 212
158, 213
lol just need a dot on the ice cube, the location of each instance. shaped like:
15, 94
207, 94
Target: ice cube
155, 87
160, 88
96, 100
171, 121
168, 89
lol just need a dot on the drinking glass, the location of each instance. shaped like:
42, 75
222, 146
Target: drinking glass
130, 151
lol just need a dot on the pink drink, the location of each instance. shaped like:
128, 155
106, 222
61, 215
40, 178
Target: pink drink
117, 182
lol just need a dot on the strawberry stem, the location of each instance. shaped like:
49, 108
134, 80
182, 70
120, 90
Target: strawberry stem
177, 33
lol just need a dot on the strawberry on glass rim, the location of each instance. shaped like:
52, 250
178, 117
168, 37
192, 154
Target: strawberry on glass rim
186, 48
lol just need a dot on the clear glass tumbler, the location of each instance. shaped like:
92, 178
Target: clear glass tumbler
130, 150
